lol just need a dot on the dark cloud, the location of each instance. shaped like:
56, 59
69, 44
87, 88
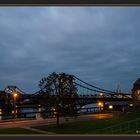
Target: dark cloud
97, 44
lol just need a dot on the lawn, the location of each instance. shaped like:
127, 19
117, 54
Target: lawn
79, 127
89, 126
13, 131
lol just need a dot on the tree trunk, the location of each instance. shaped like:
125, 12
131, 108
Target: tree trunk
57, 115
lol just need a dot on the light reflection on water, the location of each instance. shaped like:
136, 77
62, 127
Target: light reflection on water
30, 110
84, 108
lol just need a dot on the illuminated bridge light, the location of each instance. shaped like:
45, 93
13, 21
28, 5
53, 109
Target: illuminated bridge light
101, 94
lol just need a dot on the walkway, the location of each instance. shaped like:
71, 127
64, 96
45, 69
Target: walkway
30, 123
37, 130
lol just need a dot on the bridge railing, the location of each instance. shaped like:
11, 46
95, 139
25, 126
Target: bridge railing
106, 96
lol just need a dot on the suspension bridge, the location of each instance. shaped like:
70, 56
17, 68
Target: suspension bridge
87, 93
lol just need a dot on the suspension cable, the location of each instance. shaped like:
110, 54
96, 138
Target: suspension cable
94, 86
91, 89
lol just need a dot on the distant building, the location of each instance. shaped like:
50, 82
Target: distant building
118, 106
136, 90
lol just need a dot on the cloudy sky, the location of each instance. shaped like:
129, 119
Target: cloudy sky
100, 45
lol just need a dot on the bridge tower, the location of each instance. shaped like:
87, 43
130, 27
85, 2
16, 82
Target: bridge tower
136, 90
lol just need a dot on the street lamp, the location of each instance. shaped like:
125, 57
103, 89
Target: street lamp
15, 97
110, 106
100, 105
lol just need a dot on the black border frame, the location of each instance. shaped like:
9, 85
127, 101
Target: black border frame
70, 3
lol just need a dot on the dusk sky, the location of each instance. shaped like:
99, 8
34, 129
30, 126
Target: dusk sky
100, 45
